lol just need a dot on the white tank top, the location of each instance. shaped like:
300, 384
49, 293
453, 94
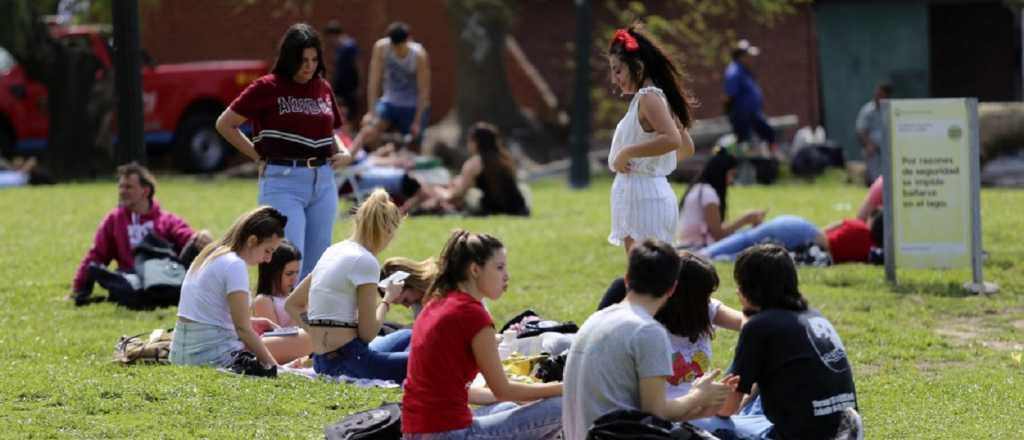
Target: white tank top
283, 319
629, 132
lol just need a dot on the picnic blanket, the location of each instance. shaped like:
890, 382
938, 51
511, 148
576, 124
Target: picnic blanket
308, 373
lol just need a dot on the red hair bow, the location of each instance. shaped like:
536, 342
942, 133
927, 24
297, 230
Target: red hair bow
627, 40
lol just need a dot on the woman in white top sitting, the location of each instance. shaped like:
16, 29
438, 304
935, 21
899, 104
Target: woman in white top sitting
345, 310
702, 207
213, 313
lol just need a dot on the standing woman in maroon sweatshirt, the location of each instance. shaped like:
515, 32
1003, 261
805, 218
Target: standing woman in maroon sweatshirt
294, 116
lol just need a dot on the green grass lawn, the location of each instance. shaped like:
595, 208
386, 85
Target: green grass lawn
928, 360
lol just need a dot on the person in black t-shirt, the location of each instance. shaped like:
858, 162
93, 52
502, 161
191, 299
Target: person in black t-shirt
792, 353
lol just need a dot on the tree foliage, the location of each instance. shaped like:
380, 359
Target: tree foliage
705, 30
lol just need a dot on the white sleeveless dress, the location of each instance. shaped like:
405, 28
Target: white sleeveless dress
642, 201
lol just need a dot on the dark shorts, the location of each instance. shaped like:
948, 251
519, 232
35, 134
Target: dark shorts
400, 118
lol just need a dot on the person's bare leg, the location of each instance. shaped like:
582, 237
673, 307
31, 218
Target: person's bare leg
289, 348
627, 244
369, 133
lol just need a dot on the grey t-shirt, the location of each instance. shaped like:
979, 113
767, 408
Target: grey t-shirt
614, 349
869, 121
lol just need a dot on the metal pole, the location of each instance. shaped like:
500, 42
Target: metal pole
888, 184
579, 144
128, 82
974, 152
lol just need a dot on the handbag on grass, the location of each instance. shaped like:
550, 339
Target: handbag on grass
154, 349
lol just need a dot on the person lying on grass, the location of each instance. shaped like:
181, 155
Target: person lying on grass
846, 241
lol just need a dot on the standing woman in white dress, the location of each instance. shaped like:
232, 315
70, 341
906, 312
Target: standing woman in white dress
648, 141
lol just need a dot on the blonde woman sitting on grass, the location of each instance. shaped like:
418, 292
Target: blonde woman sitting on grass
345, 310
213, 313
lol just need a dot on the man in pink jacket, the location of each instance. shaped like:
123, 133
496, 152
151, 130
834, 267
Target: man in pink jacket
124, 227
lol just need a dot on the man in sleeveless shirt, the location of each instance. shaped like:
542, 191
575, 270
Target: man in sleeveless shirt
401, 67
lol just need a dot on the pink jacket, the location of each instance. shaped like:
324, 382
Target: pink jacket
112, 238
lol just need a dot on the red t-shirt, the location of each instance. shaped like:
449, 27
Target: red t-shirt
442, 365
850, 241
290, 120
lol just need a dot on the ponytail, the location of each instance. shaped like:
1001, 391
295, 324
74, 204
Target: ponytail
462, 249
375, 221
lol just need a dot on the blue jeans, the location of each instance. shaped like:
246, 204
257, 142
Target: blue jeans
308, 197
749, 424
360, 360
789, 230
396, 341
506, 420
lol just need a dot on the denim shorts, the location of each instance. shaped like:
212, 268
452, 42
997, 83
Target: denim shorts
196, 343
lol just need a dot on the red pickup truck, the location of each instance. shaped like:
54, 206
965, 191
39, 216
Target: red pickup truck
181, 102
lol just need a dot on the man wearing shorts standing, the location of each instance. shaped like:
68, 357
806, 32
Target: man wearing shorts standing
401, 67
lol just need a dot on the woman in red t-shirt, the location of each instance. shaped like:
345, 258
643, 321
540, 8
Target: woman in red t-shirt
294, 118
847, 241
453, 340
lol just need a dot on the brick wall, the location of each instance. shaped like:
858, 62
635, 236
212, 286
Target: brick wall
787, 68
187, 30
190, 30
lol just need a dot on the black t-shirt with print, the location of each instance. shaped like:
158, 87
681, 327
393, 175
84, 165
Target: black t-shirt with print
801, 369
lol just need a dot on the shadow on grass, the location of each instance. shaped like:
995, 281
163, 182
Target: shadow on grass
932, 288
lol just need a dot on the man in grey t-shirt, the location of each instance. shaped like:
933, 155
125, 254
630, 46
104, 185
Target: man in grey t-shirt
621, 356
869, 132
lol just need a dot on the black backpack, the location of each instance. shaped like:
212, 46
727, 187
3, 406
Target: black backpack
538, 326
628, 424
381, 423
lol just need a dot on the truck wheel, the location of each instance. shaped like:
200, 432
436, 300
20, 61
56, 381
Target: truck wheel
6, 141
198, 146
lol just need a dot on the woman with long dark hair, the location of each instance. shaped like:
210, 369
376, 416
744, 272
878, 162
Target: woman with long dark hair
649, 140
453, 340
275, 281
293, 116
702, 207
492, 170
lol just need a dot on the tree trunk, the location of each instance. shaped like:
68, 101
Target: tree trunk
483, 93
69, 75
71, 151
